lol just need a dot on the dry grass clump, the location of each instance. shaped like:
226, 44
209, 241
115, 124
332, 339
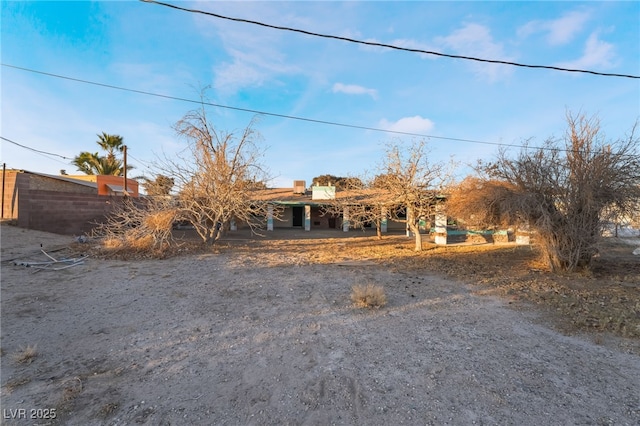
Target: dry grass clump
12, 385
26, 355
368, 296
72, 388
108, 409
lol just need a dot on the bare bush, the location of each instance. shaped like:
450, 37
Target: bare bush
566, 190
217, 178
139, 225
368, 296
477, 202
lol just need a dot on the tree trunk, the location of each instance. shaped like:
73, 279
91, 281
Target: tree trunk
418, 236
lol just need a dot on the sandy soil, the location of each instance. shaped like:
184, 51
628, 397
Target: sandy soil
226, 338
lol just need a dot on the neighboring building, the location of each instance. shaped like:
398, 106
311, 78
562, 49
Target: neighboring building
60, 203
109, 185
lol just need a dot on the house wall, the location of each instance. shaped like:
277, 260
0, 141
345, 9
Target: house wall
286, 217
318, 221
323, 222
393, 225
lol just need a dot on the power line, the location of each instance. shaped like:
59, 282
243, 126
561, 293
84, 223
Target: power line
271, 114
390, 46
57, 155
253, 111
35, 150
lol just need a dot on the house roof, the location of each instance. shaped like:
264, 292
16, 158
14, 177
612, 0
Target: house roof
61, 178
286, 196
116, 188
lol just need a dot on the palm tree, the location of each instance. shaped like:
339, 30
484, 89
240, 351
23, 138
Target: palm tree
95, 164
111, 144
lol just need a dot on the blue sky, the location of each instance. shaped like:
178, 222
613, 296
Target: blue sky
156, 49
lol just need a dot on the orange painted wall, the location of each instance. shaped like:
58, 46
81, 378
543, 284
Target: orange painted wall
104, 180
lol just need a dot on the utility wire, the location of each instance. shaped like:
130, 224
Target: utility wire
34, 150
58, 155
390, 46
270, 114
253, 111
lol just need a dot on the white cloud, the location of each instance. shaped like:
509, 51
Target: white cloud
475, 40
559, 31
352, 89
415, 124
597, 53
241, 58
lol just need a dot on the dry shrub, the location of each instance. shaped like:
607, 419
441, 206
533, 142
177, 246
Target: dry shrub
72, 388
368, 296
112, 243
137, 226
567, 190
160, 221
140, 242
108, 409
26, 355
476, 202
12, 385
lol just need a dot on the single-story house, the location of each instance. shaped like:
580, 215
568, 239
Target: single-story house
299, 207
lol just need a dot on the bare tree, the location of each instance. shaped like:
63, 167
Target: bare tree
405, 190
364, 204
160, 186
567, 190
412, 183
217, 176
338, 181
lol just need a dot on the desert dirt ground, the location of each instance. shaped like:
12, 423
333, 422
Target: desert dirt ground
259, 332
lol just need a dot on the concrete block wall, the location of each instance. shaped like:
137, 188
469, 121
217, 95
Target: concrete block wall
63, 212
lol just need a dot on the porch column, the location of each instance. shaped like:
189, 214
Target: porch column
345, 219
269, 217
383, 220
441, 226
307, 218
